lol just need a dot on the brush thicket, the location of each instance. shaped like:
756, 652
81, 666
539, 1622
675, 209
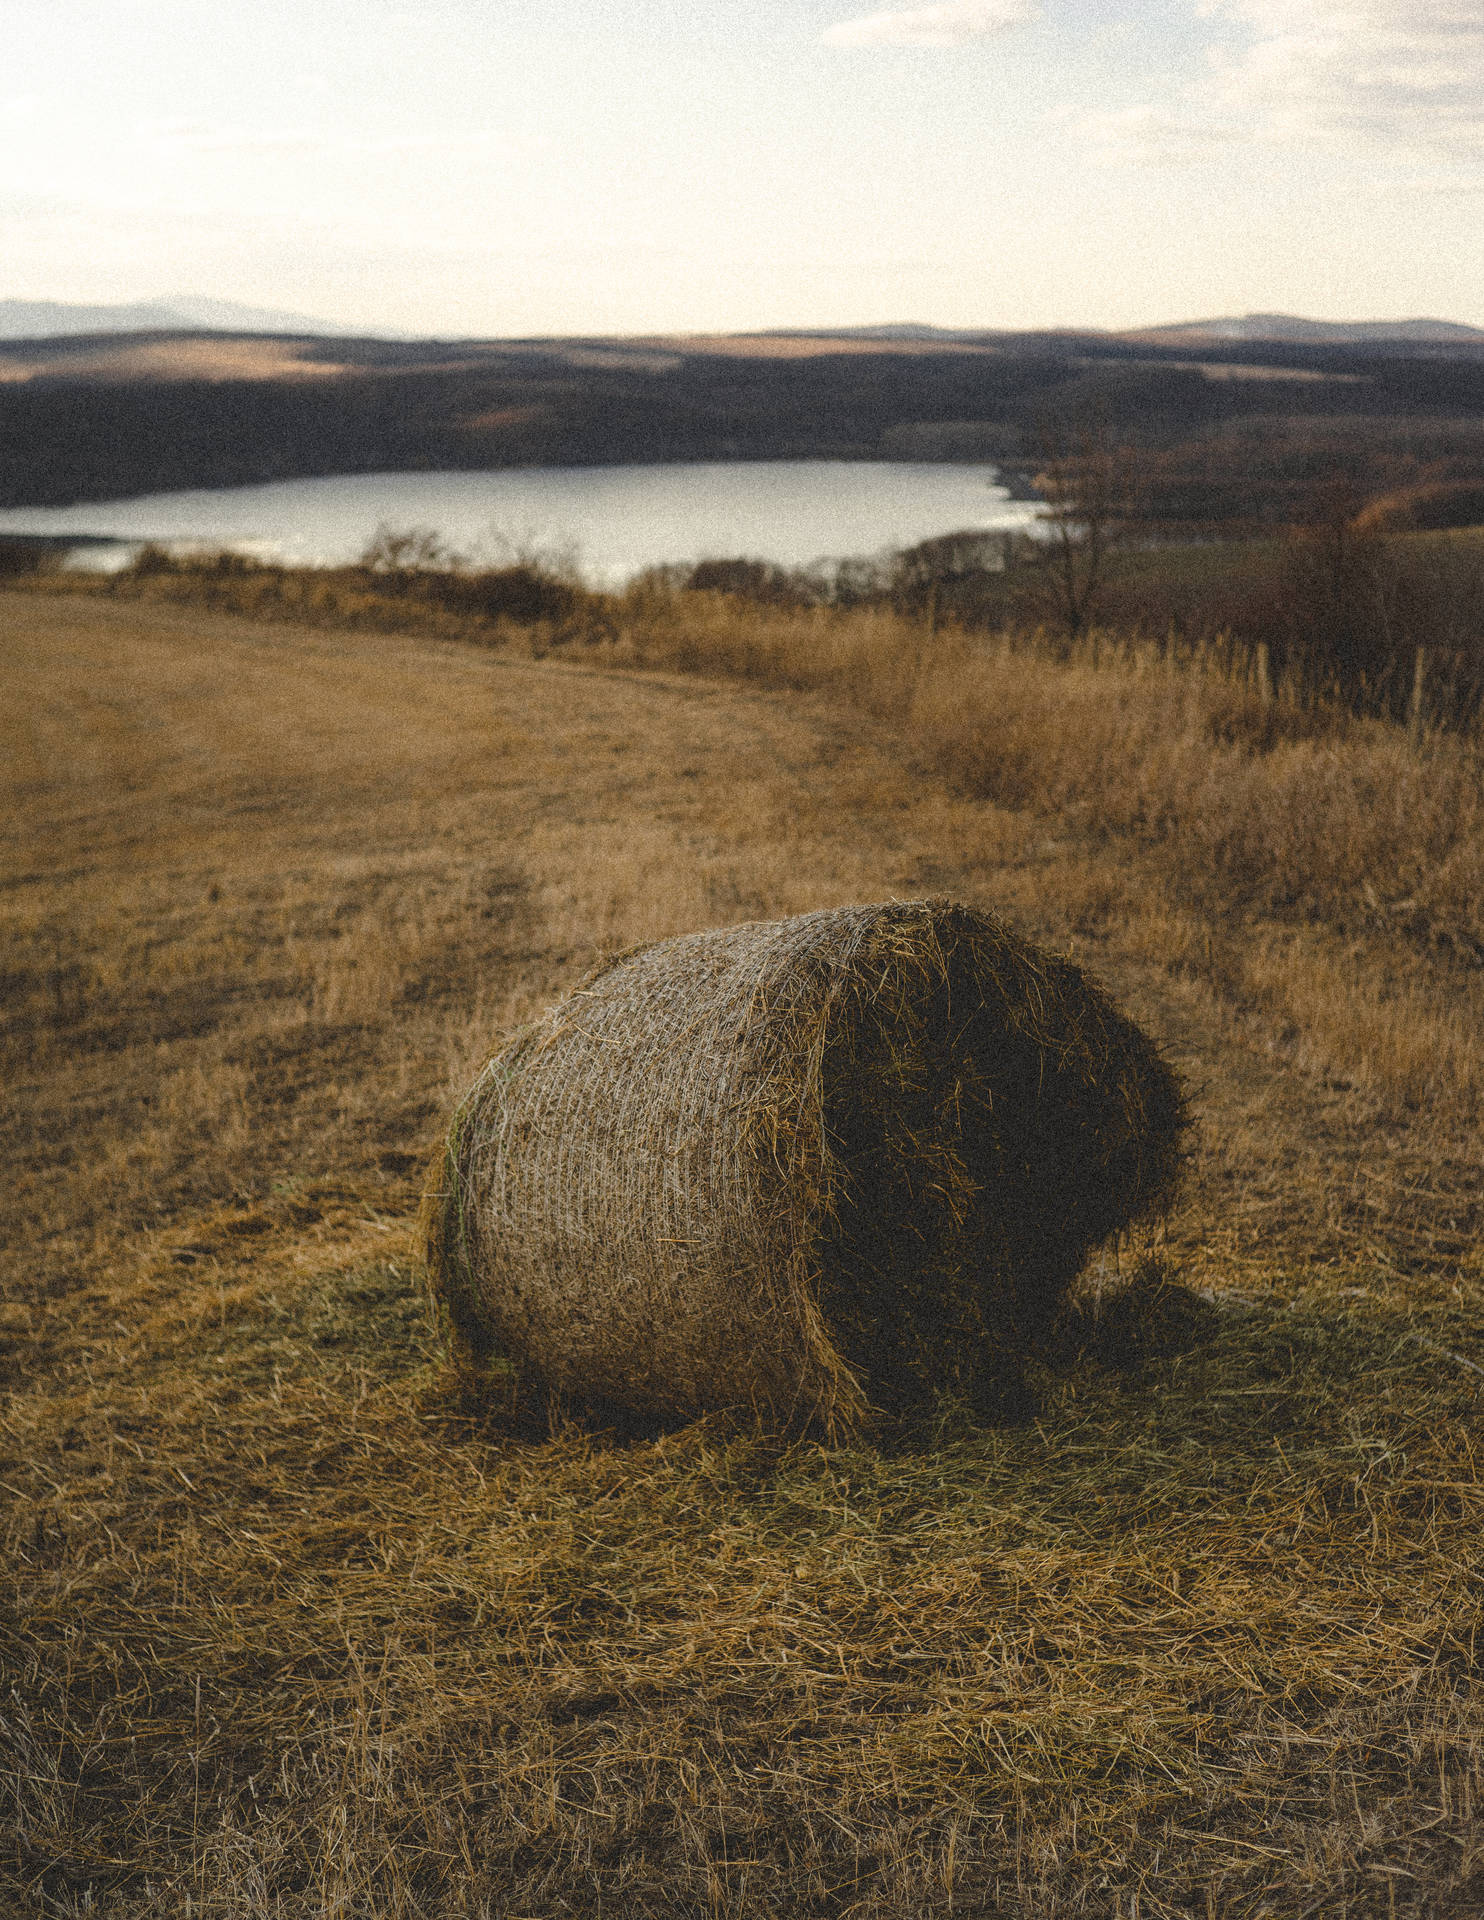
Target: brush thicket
814, 1170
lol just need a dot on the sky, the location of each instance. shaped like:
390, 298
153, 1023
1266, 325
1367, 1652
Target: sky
636, 166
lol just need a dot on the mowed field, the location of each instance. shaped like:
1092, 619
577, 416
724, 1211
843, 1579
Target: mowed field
293, 1627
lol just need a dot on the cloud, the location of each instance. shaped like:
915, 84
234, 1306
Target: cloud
1402, 74
1382, 80
947, 24
201, 137
1150, 136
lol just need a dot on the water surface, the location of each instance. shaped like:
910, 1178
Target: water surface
617, 519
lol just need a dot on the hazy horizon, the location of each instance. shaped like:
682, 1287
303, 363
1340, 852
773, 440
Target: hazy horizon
185, 311
462, 169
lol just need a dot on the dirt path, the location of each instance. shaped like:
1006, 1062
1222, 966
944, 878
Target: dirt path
268, 893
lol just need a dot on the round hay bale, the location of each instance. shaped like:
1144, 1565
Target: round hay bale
811, 1169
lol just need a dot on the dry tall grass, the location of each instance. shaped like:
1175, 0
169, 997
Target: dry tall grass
286, 1629
1263, 803
1267, 804
1366, 849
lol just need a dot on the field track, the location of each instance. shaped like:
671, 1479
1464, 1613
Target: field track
291, 1629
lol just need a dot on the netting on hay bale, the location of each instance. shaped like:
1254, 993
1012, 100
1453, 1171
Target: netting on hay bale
814, 1169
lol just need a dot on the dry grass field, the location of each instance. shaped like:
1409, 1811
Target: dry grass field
195, 357
290, 1627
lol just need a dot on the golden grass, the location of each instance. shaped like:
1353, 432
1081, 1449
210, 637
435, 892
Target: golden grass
1275, 807
1331, 828
796, 346
287, 1629
191, 358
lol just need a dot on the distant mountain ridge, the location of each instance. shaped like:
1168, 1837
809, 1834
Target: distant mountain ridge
1290, 330
50, 319
1279, 329
46, 319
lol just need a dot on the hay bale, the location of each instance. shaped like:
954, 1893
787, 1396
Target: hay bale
813, 1169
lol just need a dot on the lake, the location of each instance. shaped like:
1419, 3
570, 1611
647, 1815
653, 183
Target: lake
616, 519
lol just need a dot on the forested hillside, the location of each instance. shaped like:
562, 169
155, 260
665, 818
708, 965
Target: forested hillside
1230, 433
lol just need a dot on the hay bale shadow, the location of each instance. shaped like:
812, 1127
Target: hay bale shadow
1137, 1323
